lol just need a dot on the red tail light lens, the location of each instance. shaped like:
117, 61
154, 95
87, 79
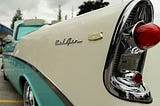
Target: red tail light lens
138, 78
146, 35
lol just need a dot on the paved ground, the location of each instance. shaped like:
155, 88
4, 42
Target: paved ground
8, 95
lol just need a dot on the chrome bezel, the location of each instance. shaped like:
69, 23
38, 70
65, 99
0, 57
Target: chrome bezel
119, 88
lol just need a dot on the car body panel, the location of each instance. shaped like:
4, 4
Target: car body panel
18, 69
151, 73
65, 55
82, 56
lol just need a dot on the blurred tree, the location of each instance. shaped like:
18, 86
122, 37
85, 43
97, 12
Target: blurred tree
59, 17
18, 16
88, 6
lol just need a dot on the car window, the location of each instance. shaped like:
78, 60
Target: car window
25, 29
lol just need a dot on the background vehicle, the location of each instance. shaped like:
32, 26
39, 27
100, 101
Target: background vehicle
21, 28
95, 59
4, 31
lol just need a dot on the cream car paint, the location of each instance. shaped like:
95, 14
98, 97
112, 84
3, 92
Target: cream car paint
69, 66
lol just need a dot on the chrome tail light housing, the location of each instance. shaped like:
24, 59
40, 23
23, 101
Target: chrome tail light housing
123, 70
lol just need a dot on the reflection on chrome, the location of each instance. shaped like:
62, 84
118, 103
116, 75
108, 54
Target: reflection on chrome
127, 88
125, 61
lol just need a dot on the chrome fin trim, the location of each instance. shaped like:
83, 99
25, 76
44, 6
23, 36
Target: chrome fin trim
118, 77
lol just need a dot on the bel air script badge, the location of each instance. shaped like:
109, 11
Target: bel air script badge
68, 41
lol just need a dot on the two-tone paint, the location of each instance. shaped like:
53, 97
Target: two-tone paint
72, 56
19, 71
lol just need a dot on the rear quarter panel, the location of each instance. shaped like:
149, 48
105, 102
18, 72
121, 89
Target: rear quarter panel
77, 69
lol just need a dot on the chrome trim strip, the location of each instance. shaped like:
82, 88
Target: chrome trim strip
117, 86
65, 100
59, 93
7, 53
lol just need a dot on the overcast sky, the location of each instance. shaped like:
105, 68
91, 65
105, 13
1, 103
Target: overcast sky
45, 9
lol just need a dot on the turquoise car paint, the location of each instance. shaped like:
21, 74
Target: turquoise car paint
21, 30
17, 71
9, 47
16, 24
25, 29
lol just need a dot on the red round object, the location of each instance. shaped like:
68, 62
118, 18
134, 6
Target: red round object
138, 78
146, 35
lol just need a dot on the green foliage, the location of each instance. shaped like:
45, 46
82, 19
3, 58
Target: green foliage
18, 16
88, 6
1, 50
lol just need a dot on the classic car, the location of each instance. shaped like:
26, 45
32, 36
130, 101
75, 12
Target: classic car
96, 59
